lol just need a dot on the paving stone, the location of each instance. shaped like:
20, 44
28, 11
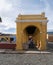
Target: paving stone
26, 59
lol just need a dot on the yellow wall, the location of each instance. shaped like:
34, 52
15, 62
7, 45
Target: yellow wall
5, 37
39, 36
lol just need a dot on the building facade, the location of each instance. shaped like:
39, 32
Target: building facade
31, 25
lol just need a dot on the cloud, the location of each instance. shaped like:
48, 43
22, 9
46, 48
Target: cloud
49, 13
4, 6
8, 12
10, 31
7, 24
2, 28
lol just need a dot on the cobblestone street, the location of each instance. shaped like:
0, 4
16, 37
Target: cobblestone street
26, 59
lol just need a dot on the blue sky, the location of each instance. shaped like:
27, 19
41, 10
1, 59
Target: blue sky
9, 10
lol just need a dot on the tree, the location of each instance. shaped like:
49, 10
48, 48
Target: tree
0, 19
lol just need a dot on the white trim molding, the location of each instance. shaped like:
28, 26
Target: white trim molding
31, 21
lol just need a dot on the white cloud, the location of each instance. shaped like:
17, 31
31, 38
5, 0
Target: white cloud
8, 13
6, 24
4, 6
49, 14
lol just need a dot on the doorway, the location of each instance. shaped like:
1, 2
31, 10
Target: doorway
34, 32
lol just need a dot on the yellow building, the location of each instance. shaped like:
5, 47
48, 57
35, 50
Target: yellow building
7, 38
34, 25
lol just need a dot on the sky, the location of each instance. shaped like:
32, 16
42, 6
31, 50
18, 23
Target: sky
10, 9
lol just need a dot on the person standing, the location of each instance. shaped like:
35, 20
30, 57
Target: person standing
31, 43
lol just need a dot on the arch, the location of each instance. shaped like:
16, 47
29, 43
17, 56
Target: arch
34, 31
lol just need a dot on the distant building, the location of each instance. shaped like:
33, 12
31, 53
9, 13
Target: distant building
50, 36
7, 38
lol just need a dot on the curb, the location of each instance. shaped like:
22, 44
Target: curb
24, 52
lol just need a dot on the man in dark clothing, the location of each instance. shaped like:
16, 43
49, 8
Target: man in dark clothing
31, 43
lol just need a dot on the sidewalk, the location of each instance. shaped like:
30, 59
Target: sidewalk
22, 52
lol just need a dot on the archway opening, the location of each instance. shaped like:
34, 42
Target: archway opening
30, 30
35, 33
